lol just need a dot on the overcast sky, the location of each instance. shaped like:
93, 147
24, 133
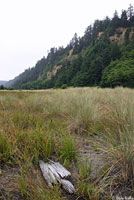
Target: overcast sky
29, 28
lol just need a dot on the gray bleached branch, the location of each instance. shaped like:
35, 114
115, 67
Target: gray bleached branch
54, 172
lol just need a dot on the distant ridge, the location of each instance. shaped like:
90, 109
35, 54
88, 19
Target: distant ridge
3, 83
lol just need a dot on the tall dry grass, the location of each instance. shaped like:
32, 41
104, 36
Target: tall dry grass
43, 124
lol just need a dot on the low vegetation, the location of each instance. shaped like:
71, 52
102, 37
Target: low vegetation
51, 124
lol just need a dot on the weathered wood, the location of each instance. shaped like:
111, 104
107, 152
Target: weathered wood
68, 186
48, 175
62, 171
54, 173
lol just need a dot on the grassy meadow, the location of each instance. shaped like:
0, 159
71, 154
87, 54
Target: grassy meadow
50, 124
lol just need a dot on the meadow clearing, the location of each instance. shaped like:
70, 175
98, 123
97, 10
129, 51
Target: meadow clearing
88, 130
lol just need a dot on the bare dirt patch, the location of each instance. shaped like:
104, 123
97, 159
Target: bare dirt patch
88, 151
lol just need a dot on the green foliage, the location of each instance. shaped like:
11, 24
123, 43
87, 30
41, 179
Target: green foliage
37, 145
87, 188
42, 145
124, 19
85, 169
5, 149
81, 80
2, 87
67, 150
64, 86
119, 73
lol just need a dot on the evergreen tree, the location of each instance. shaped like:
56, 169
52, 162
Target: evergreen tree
116, 20
74, 41
2, 87
124, 18
130, 13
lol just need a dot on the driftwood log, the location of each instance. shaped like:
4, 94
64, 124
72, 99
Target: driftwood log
54, 173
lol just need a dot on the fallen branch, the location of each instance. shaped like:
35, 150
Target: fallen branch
54, 173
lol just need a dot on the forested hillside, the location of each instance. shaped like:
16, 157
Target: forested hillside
104, 57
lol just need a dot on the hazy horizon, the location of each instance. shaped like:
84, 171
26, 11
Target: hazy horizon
30, 28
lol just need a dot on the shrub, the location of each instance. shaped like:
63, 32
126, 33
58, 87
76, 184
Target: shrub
64, 86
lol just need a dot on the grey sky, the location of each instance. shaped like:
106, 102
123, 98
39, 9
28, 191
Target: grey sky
28, 28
